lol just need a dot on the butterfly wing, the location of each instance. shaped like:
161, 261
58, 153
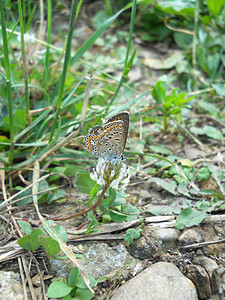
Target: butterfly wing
124, 117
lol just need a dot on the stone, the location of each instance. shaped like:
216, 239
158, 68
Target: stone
161, 281
142, 249
191, 236
98, 259
199, 276
212, 270
167, 238
10, 286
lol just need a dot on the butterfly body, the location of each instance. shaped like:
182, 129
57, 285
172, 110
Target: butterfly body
109, 141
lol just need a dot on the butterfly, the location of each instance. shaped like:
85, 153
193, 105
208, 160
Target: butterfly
108, 141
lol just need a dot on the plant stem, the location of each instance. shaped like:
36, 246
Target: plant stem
125, 71
65, 67
8, 81
88, 209
49, 30
27, 103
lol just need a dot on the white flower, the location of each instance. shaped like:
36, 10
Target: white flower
115, 174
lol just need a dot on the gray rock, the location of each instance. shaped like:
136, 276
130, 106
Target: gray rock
167, 237
142, 249
212, 270
99, 259
191, 236
161, 281
199, 276
10, 286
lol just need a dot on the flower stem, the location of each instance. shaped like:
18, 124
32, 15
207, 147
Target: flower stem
88, 209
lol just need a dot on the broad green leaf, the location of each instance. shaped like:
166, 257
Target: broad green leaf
189, 217
93, 192
58, 289
215, 6
131, 211
50, 245
84, 294
31, 241
20, 120
117, 216
61, 232
132, 234
178, 7
209, 107
55, 195
203, 173
26, 227
219, 88
159, 92
168, 63
74, 276
169, 186
3, 139
160, 149
213, 132
197, 130
84, 183
82, 285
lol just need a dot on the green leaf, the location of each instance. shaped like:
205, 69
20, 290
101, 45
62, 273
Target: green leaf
55, 196
117, 216
212, 132
82, 285
209, 107
219, 88
58, 289
189, 217
160, 149
93, 192
31, 241
197, 130
84, 183
26, 227
217, 174
203, 173
131, 211
215, 6
20, 120
112, 194
159, 92
163, 210
178, 7
3, 139
169, 186
61, 232
84, 294
50, 245
132, 234
74, 276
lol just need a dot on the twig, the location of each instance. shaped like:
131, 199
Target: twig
199, 245
150, 241
86, 210
22, 279
86, 98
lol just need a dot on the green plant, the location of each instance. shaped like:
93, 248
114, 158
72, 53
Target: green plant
73, 288
36, 238
170, 105
101, 180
